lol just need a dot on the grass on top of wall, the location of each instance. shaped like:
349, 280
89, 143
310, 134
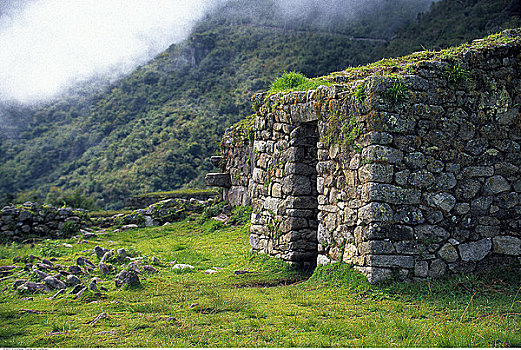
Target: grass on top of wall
273, 306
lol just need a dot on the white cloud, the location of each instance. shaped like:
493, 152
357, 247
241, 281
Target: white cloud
48, 45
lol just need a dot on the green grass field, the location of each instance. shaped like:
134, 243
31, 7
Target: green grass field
275, 306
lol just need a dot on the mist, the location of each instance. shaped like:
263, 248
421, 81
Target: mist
47, 46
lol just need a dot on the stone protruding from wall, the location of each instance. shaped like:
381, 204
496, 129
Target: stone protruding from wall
406, 176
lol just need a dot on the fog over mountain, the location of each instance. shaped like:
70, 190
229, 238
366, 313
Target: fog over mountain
49, 46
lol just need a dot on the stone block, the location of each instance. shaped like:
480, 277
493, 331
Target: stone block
382, 154
448, 253
390, 261
478, 171
376, 172
431, 233
437, 268
377, 247
375, 274
507, 245
475, 251
421, 179
378, 192
443, 201
495, 185
375, 212
421, 268
409, 215
487, 230
402, 177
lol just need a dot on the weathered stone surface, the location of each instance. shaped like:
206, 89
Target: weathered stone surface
217, 180
375, 212
72, 280
373, 191
443, 201
54, 283
431, 233
448, 253
382, 154
390, 261
475, 251
496, 184
376, 172
507, 245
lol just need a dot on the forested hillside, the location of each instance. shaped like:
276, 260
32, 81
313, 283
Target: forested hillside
156, 128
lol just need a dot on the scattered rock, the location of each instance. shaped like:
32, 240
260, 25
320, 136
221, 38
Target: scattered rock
80, 292
183, 266
77, 288
106, 256
194, 305
7, 268
133, 267
241, 272
150, 268
171, 319
32, 287
128, 227
129, 278
92, 285
210, 271
75, 270
122, 254
61, 291
18, 283
100, 251
72, 281
99, 317
27, 299
81, 261
155, 260
29, 311
28, 267
104, 269
40, 274
54, 283
47, 262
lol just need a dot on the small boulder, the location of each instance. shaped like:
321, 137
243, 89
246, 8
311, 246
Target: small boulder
54, 283
133, 267
104, 269
47, 262
183, 267
150, 268
128, 227
100, 251
18, 283
40, 274
72, 280
75, 270
32, 287
129, 278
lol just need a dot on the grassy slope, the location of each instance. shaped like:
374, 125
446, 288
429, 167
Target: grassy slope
274, 307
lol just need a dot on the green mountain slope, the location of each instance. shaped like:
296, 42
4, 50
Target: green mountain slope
156, 128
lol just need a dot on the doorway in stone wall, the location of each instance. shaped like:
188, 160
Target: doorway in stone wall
300, 184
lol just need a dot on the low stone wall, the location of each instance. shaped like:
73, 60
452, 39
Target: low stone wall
31, 220
409, 173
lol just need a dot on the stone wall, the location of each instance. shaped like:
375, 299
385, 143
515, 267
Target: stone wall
406, 173
31, 220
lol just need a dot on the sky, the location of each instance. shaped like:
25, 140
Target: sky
49, 45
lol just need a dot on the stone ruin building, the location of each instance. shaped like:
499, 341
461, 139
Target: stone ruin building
406, 169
